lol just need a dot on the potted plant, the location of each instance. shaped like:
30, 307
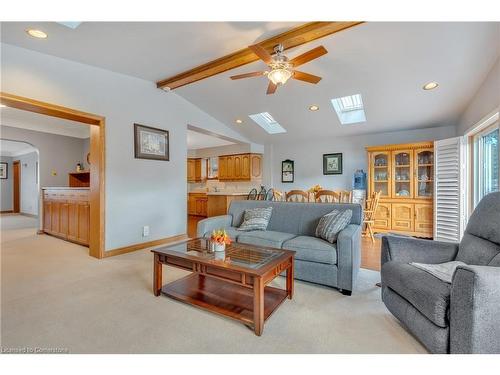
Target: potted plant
219, 240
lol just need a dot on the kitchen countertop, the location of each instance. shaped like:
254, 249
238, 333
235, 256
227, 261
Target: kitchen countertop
225, 193
64, 188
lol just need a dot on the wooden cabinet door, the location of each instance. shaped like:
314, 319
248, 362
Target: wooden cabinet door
383, 216
424, 218
424, 173
201, 206
230, 167
402, 216
245, 167
222, 167
197, 170
380, 173
47, 216
237, 167
402, 174
204, 207
54, 217
190, 170
73, 221
63, 219
191, 205
256, 166
83, 222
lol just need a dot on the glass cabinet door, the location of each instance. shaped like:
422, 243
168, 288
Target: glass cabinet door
380, 170
424, 173
402, 174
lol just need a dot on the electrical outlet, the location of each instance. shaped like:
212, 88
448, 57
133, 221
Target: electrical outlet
145, 231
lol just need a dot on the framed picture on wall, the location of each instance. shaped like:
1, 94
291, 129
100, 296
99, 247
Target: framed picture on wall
150, 143
287, 172
4, 171
332, 163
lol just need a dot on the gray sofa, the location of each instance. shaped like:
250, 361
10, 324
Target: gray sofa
459, 318
292, 226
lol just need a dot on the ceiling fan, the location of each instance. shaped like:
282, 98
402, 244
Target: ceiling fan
282, 68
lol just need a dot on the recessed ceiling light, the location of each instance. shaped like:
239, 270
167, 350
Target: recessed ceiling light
313, 107
430, 86
37, 33
238, 121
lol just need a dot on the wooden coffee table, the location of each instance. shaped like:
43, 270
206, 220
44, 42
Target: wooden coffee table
233, 283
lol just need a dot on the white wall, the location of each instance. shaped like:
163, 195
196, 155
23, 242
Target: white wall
58, 153
485, 101
29, 187
308, 156
138, 192
6, 192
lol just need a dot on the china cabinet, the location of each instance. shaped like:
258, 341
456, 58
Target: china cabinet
404, 174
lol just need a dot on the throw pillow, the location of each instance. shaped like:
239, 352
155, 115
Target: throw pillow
256, 219
331, 224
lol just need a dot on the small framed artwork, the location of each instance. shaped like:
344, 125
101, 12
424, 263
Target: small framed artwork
4, 171
332, 163
287, 172
150, 143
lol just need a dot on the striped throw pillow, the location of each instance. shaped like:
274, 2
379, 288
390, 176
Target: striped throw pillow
331, 224
256, 219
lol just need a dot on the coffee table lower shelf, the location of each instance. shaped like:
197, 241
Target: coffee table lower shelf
224, 298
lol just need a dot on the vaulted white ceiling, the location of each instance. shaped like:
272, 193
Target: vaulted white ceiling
385, 62
196, 140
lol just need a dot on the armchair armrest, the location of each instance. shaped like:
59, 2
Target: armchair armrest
216, 222
349, 256
474, 310
409, 249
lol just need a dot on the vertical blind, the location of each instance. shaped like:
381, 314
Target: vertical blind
449, 189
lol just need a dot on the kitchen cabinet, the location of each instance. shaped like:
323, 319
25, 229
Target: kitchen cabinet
197, 204
404, 174
240, 167
194, 173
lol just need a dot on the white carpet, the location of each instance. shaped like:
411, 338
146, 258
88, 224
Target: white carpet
55, 296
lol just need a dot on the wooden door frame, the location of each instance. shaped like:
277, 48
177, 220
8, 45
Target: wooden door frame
97, 154
16, 188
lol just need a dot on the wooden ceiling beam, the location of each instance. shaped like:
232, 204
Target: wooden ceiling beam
293, 38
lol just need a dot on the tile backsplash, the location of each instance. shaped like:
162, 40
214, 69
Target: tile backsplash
213, 185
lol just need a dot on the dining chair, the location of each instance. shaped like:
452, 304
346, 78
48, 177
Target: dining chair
346, 196
327, 196
369, 214
252, 195
269, 195
262, 194
297, 196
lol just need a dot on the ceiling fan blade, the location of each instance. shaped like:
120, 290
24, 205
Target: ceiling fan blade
306, 77
247, 75
271, 89
308, 56
261, 52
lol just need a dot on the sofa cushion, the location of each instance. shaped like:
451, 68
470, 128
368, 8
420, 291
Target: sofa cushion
232, 232
331, 224
265, 238
426, 293
312, 249
256, 218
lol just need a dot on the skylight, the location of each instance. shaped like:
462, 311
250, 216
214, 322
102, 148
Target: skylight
268, 123
349, 109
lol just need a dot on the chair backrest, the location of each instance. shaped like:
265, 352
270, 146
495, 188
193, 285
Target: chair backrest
262, 194
279, 196
252, 195
480, 244
327, 196
372, 205
292, 217
270, 195
346, 196
297, 196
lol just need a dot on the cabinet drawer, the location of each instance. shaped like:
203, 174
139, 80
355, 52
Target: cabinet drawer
383, 216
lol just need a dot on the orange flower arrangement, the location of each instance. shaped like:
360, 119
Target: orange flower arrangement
220, 237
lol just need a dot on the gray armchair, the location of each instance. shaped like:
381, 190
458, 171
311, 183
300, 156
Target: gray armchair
461, 317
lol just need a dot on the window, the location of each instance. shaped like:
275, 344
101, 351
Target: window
349, 109
486, 160
268, 123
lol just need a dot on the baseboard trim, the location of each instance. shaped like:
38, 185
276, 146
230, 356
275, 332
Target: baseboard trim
7, 212
29, 215
143, 245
